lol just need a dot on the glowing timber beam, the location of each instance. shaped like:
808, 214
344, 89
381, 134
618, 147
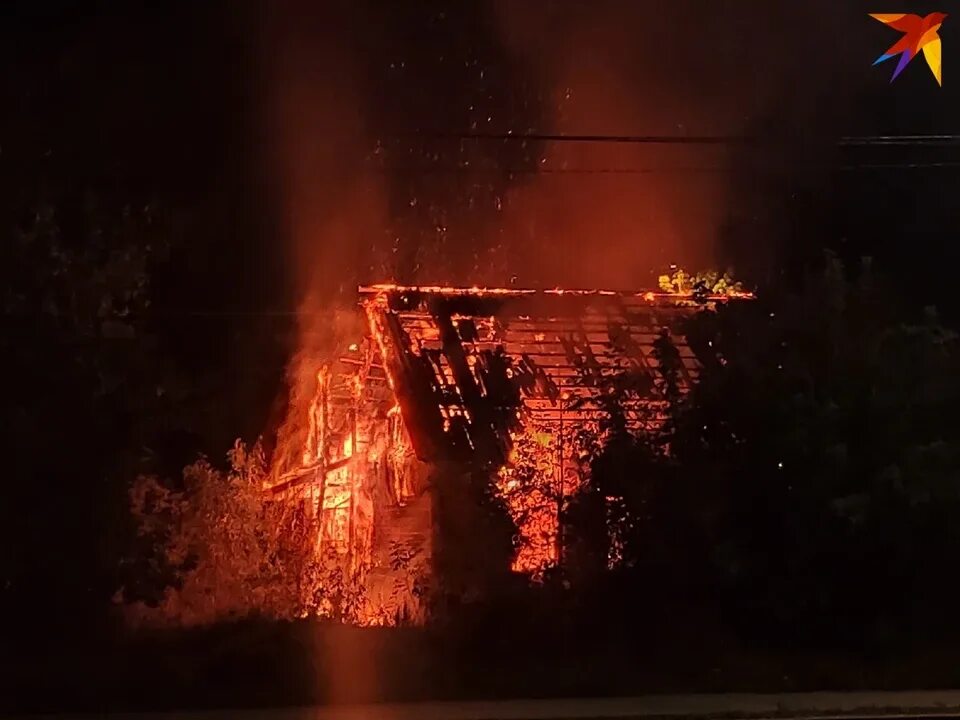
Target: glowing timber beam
301, 475
526, 292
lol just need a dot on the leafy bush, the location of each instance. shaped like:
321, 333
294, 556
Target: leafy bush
230, 552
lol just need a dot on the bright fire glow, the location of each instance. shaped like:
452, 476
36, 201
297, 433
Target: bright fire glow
358, 465
516, 292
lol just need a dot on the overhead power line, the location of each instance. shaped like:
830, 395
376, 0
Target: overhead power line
706, 169
932, 140
548, 137
901, 166
850, 140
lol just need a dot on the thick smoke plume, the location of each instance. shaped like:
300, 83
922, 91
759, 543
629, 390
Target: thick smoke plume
610, 214
670, 68
329, 209
357, 94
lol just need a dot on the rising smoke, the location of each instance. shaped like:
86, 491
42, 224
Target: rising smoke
676, 68
356, 94
358, 91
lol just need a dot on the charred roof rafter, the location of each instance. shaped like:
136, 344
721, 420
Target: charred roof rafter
471, 363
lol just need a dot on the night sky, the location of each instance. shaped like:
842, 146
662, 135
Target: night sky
287, 135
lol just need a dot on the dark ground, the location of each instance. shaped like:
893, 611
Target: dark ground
255, 664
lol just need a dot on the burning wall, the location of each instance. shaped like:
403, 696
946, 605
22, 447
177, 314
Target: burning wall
355, 476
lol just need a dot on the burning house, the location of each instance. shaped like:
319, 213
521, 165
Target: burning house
476, 378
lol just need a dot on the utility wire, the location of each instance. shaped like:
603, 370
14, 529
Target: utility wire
900, 140
901, 166
431, 170
547, 137
850, 140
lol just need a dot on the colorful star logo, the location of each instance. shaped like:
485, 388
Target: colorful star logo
919, 33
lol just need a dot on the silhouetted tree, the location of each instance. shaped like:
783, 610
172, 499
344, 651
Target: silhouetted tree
807, 481
83, 380
820, 447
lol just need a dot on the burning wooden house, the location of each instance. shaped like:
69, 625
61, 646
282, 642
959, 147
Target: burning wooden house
470, 377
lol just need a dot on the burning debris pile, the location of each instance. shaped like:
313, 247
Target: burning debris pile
509, 383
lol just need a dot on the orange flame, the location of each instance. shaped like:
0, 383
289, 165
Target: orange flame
356, 457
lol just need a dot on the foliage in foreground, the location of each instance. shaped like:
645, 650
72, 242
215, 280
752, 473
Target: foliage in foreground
221, 552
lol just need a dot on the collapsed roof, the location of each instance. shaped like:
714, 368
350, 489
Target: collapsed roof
466, 364
480, 378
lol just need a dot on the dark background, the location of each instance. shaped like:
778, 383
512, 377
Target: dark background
291, 150
233, 114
